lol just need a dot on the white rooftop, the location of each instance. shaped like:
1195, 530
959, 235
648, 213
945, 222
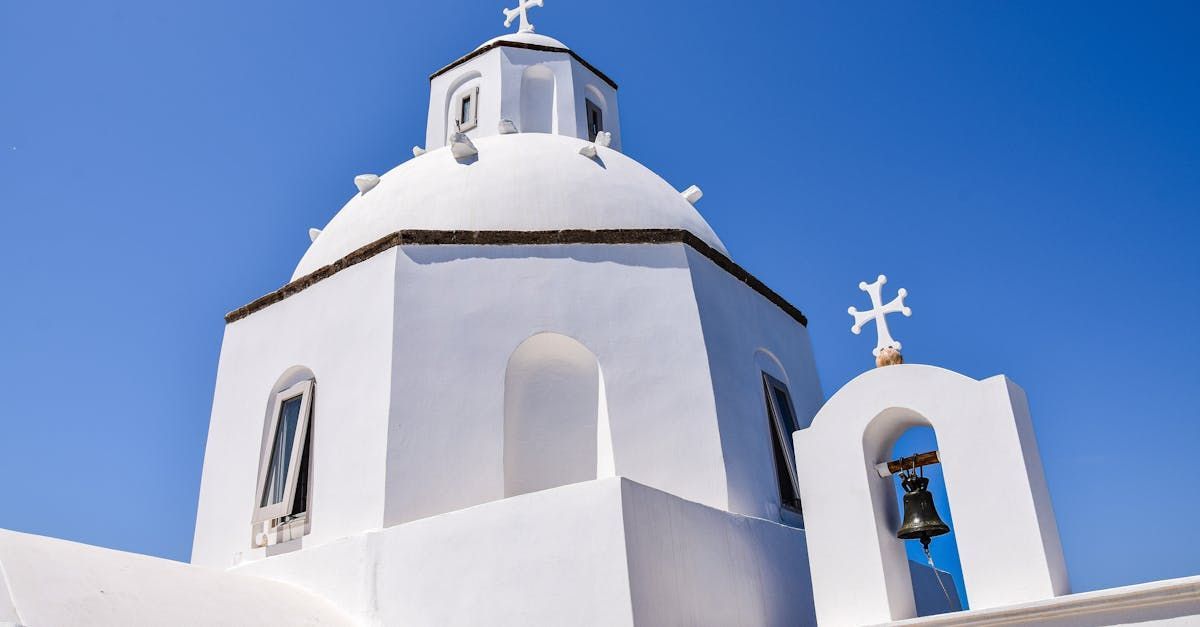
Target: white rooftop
526, 38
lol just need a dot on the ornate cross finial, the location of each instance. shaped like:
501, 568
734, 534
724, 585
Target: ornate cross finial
877, 313
522, 7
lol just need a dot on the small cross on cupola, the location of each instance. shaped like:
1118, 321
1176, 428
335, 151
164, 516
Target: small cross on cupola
521, 11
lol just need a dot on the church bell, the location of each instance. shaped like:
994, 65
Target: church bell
921, 520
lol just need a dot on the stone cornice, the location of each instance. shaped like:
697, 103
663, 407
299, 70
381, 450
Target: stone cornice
519, 238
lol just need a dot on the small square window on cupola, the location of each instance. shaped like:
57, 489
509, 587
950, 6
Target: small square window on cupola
466, 109
595, 119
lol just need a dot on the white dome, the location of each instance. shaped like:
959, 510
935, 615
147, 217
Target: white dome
526, 38
519, 182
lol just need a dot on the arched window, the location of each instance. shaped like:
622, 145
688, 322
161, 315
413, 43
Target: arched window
281, 498
554, 415
782, 422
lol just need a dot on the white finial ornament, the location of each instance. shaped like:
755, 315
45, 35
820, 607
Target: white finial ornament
878, 313
521, 11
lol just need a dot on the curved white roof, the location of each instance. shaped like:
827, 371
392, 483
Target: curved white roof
45, 581
526, 38
518, 182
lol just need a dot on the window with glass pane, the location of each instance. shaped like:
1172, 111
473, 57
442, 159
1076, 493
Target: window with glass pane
464, 113
283, 476
782, 423
281, 451
466, 109
595, 120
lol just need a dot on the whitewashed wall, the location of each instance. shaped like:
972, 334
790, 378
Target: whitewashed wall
462, 311
742, 330
411, 351
608, 552
341, 330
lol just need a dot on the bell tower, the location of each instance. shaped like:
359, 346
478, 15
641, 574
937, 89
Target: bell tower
522, 83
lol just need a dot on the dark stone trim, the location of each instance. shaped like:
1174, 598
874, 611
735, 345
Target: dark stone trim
524, 46
520, 238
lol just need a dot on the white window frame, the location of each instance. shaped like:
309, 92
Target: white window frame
466, 125
283, 508
771, 385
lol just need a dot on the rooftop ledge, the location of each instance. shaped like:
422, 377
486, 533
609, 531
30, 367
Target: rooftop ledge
501, 43
520, 238
1171, 598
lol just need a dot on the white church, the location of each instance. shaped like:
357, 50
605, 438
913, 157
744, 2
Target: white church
518, 380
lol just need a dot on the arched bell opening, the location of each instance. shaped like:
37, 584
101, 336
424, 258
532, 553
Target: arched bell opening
897, 434
927, 591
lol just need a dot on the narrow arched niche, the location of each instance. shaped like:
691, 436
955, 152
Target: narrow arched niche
537, 100
555, 417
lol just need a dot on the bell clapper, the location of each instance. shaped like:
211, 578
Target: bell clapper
929, 556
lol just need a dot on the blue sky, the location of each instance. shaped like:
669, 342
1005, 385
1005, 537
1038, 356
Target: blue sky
1030, 171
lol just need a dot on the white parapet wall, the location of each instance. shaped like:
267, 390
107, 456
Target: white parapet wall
605, 552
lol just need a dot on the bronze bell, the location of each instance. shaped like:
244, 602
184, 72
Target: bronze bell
921, 520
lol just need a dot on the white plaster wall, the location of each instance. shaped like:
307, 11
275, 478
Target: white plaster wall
340, 329
737, 323
461, 311
54, 582
482, 71
693, 565
411, 350
605, 553
555, 557
588, 85
1004, 523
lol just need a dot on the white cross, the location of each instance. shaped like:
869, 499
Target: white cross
522, 6
878, 313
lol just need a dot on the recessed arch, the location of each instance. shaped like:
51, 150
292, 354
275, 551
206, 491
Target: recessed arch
538, 95
467, 80
767, 362
555, 415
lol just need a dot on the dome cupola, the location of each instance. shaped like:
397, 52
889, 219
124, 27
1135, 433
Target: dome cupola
529, 80
523, 135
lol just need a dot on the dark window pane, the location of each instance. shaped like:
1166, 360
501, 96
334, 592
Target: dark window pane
595, 119
281, 451
300, 501
785, 407
781, 450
